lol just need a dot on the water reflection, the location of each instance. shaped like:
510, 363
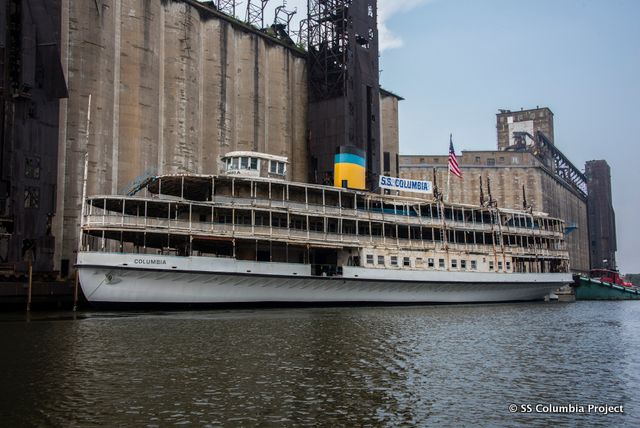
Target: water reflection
339, 366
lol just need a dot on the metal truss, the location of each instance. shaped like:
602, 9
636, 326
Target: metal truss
553, 158
283, 17
301, 35
227, 7
328, 42
255, 12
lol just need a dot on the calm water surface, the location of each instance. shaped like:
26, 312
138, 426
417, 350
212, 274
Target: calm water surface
446, 365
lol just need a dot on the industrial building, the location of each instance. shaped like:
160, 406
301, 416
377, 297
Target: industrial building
160, 87
31, 86
602, 219
528, 171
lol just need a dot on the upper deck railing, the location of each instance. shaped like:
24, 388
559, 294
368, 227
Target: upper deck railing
97, 218
148, 207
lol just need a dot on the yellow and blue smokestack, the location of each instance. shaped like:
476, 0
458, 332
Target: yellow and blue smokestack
349, 168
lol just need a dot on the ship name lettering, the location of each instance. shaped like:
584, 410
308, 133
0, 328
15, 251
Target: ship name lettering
149, 262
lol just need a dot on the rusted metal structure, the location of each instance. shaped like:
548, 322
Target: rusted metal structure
31, 85
602, 220
344, 104
542, 147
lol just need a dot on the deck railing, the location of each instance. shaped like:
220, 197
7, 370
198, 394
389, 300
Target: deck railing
109, 220
315, 210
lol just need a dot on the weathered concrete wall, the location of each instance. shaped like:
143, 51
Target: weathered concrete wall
602, 217
173, 88
31, 85
389, 132
507, 173
561, 202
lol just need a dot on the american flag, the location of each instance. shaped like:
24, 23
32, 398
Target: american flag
453, 162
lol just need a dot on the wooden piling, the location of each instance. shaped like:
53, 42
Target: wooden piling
75, 292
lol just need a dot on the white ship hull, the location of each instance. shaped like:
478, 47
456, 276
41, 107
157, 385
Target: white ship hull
135, 278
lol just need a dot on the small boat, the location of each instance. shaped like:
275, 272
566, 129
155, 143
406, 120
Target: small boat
605, 284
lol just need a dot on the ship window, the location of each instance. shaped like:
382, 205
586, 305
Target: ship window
394, 260
490, 265
441, 263
508, 266
254, 164
381, 260
474, 265
430, 263
499, 265
463, 264
244, 163
234, 163
454, 264
369, 259
276, 167
406, 261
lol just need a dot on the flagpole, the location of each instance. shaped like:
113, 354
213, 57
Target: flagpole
448, 170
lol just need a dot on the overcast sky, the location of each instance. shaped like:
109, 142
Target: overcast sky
458, 61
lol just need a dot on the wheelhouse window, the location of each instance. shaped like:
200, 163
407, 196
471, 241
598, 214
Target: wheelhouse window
276, 167
244, 163
254, 164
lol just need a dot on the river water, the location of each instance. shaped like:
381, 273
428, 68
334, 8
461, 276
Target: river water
380, 366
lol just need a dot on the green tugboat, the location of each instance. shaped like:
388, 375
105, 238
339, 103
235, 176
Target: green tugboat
604, 284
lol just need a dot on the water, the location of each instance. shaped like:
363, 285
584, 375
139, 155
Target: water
431, 365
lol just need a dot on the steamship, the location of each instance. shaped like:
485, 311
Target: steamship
248, 235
